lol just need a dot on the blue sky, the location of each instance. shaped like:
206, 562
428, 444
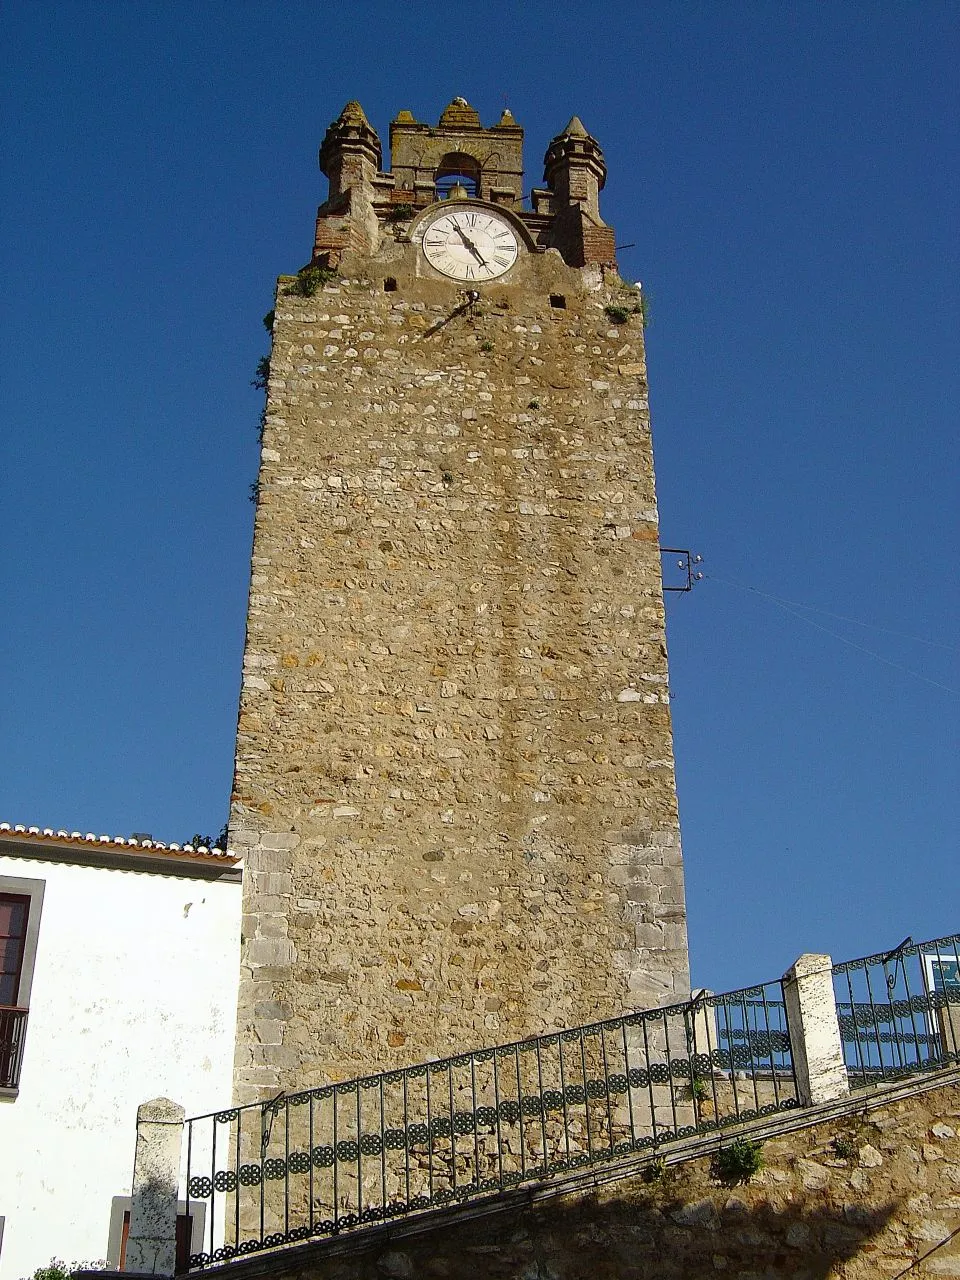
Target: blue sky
786, 176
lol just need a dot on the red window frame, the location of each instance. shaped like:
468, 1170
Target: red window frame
16, 972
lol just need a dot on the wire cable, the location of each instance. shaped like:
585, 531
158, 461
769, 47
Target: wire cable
788, 607
840, 617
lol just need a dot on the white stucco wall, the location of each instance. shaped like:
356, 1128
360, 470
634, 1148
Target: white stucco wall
134, 997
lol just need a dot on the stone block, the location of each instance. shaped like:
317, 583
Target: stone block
272, 882
270, 951
275, 840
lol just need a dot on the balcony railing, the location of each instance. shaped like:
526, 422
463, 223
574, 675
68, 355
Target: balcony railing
13, 1028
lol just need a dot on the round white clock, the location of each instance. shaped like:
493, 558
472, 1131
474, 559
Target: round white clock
470, 244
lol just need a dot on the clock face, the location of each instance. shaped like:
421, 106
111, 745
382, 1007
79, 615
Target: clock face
471, 245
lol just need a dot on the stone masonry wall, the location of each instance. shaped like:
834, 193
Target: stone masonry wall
860, 1196
454, 783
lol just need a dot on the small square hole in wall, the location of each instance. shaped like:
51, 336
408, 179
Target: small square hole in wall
390, 285
558, 300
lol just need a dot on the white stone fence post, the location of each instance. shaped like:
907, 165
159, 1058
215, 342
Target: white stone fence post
815, 1031
152, 1241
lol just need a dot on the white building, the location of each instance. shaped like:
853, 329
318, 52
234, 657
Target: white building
118, 983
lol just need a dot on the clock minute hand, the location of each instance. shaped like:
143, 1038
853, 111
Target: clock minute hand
470, 245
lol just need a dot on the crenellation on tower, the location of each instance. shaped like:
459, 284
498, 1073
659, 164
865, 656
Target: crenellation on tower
454, 778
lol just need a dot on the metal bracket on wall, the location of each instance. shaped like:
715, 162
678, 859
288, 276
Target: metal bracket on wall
686, 565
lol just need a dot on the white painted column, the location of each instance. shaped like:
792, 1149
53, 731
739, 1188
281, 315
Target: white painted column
814, 1030
152, 1242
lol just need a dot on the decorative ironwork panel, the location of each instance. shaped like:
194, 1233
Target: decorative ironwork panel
899, 1011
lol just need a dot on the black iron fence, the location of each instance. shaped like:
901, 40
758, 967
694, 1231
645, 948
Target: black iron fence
316, 1163
319, 1162
899, 1011
13, 1027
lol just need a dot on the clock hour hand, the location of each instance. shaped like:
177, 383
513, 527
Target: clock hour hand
470, 245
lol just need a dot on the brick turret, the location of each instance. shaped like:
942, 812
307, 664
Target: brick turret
350, 157
350, 152
575, 172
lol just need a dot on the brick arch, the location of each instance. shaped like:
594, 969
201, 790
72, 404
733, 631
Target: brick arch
458, 166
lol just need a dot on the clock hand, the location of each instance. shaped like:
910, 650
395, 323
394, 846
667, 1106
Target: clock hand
470, 245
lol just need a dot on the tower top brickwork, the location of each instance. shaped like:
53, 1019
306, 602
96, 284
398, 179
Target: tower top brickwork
454, 782
565, 214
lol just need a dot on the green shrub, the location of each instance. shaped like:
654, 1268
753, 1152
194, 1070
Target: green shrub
57, 1269
262, 376
738, 1162
844, 1147
699, 1088
310, 279
401, 212
617, 314
208, 842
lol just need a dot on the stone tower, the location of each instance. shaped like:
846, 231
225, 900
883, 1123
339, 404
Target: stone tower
454, 776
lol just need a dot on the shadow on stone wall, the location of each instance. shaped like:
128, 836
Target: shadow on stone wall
619, 1239
616, 1237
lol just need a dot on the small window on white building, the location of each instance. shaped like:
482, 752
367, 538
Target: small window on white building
20, 904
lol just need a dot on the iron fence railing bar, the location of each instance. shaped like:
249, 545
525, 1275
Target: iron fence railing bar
213, 1179
713, 1049
373, 1148
874, 1016
629, 1091
261, 1181
649, 1081
236, 1165
335, 1130
951, 1025
565, 1100
913, 1006
356, 1124
544, 1150
189, 1128
406, 1141
730, 1061
890, 982
758, 1040
771, 1046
